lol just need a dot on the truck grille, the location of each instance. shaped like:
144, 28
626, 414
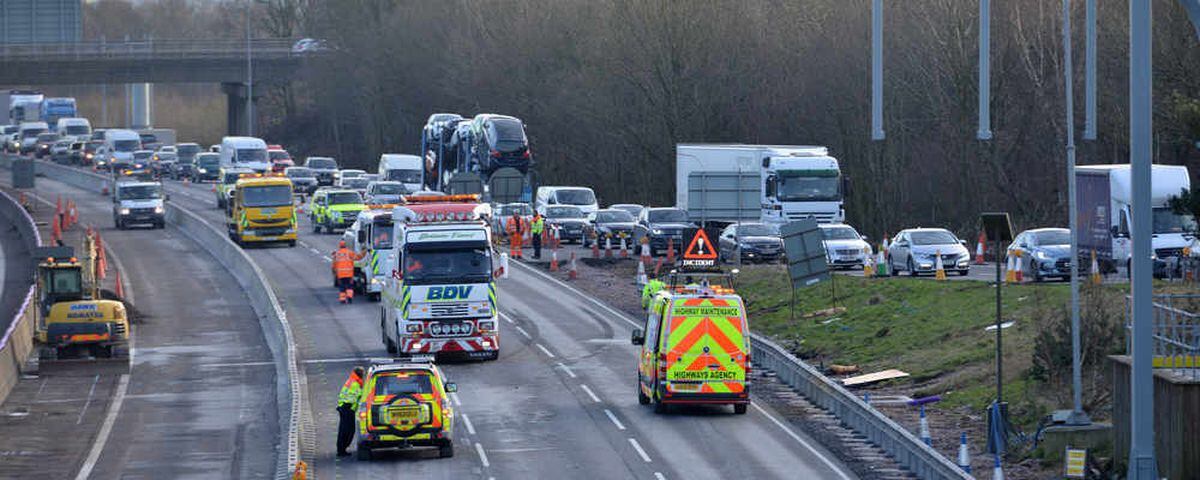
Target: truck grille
443, 310
820, 217
1168, 252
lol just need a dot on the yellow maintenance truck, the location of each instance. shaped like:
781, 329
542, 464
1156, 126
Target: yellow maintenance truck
261, 209
72, 318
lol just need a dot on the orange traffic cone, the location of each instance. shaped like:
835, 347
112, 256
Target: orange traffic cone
595, 246
979, 249
670, 251
120, 286
645, 254
341, 296
553, 260
572, 270
1097, 279
55, 230
58, 207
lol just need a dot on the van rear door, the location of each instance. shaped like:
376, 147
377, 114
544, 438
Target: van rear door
706, 346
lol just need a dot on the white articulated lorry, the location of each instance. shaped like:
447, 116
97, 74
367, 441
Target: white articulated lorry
727, 183
1104, 201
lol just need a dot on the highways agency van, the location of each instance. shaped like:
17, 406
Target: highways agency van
695, 348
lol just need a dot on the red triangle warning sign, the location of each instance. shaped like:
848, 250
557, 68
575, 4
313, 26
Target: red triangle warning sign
700, 247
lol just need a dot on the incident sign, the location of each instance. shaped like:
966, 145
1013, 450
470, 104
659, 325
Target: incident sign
700, 252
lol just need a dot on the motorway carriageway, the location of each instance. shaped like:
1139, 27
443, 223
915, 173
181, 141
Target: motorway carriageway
559, 403
177, 414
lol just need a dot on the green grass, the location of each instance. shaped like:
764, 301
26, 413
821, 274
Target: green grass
932, 330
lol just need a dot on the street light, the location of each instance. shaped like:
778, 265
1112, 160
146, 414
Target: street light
249, 78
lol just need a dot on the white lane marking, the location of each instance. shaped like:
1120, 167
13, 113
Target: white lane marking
590, 392
454, 397
318, 252
482, 456
241, 364
302, 244
621, 315
91, 394
467, 422
523, 332
802, 442
543, 349
641, 453
326, 258
612, 417
659, 476
566, 369
110, 418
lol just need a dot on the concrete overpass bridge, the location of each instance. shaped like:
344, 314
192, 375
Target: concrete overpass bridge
158, 61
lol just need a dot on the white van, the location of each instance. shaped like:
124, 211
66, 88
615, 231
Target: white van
29, 133
121, 145
245, 152
73, 127
406, 169
581, 197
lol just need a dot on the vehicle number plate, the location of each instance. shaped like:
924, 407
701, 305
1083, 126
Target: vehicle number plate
403, 414
685, 387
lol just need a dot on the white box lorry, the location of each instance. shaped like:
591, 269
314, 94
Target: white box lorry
726, 183
1103, 200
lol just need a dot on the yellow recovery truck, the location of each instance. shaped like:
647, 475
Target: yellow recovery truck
72, 318
261, 210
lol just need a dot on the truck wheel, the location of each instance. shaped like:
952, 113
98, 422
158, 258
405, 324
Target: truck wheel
447, 450
362, 453
740, 408
642, 398
291, 243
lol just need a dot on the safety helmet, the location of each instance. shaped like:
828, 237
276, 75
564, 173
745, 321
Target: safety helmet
341, 243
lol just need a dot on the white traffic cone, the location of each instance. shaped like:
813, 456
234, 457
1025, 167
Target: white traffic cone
1095, 271
964, 455
939, 273
997, 472
1010, 272
925, 437
504, 265
868, 265
641, 274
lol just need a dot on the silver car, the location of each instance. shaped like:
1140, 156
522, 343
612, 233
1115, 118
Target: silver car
915, 250
844, 247
1044, 253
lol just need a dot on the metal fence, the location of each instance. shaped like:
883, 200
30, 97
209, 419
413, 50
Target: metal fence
150, 50
908, 450
1176, 332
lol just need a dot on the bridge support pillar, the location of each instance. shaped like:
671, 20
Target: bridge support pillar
236, 122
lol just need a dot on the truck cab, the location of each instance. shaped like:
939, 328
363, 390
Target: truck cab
439, 297
371, 237
406, 169
138, 203
261, 210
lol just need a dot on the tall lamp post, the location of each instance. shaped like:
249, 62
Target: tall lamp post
249, 77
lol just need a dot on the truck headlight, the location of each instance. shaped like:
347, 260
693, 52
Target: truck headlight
202, 170
124, 211
656, 231
158, 209
487, 326
413, 328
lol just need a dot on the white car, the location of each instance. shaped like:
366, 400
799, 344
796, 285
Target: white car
844, 247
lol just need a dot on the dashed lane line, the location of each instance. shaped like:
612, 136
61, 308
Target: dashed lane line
659, 476
590, 392
544, 350
613, 417
467, 422
454, 398
641, 453
91, 395
523, 332
482, 455
567, 369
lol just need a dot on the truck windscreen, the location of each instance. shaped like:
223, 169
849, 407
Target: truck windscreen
406, 176
250, 155
444, 262
267, 196
126, 145
382, 231
798, 188
1167, 221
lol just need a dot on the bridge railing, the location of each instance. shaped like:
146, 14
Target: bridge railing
149, 49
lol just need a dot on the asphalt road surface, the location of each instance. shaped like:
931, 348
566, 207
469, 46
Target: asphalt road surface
560, 401
183, 412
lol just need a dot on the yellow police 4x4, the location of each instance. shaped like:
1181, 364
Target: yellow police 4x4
405, 404
334, 208
226, 180
695, 349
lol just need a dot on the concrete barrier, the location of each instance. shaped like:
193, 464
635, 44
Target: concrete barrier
17, 342
290, 382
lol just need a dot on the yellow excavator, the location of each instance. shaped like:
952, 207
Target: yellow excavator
73, 320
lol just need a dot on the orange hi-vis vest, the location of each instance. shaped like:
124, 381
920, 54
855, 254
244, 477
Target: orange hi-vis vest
343, 263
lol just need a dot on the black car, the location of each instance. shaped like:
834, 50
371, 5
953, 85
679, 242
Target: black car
325, 169
759, 243
207, 168
663, 226
186, 153
570, 222
304, 180
499, 142
616, 223
44, 142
